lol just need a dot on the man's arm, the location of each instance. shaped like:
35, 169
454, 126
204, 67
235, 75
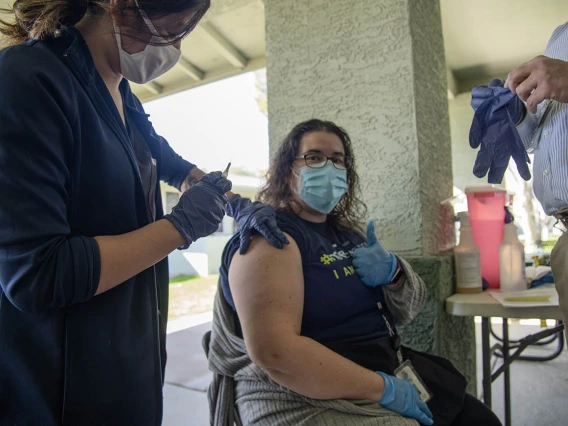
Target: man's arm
535, 81
527, 127
539, 79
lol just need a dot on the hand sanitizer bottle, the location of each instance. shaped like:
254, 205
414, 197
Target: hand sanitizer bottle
467, 259
512, 258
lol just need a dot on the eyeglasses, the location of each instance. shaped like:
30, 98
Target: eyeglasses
318, 161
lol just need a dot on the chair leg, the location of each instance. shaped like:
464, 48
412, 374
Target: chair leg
205, 341
237, 418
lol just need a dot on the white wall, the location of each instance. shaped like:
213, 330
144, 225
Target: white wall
202, 258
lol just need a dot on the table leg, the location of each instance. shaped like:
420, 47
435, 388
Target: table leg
514, 344
506, 375
486, 357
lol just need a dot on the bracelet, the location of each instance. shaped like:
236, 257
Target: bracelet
398, 274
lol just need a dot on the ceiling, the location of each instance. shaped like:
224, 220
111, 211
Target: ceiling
488, 38
228, 41
483, 38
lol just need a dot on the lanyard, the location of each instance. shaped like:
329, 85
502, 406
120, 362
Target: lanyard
396, 341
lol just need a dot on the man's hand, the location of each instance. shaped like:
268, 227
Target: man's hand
539, 79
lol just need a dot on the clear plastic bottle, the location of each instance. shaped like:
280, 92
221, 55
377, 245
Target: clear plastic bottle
467, 259
512, 259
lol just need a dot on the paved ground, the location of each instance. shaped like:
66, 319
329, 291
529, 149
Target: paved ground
538, 389
538, 398
187, 378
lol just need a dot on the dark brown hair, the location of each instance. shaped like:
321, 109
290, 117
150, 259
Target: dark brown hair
41, 19
350, 212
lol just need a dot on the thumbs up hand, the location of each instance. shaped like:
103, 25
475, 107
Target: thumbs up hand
373, 263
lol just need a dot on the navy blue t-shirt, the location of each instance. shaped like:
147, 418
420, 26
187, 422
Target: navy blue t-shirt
338, 306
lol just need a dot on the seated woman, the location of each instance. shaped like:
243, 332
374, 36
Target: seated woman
306, 335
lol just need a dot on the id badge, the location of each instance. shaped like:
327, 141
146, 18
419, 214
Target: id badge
407, 371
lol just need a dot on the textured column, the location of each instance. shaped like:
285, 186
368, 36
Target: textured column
376, 68
433, 331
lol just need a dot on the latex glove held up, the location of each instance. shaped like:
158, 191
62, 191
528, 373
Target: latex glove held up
494, 129
480, 94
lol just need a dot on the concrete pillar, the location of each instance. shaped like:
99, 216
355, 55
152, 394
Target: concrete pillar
376, 68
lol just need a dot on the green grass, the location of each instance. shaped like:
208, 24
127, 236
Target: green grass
191, 295
549, 244
183, 278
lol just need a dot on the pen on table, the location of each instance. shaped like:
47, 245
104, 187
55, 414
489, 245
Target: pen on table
536, 298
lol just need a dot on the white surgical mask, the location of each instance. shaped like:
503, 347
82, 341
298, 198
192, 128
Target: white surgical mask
152, 62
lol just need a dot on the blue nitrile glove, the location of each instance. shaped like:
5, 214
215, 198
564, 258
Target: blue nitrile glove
494, 129
548, 278
201, 208
255, 217
402, 397
373, 263
480, 94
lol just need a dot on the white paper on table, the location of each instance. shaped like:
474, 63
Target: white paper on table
537, 273
547, 290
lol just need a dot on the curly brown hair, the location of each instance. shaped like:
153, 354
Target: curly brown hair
350, 212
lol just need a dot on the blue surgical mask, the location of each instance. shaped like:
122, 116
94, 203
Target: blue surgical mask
321, 189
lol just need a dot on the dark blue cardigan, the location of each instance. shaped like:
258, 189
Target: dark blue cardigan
67, 174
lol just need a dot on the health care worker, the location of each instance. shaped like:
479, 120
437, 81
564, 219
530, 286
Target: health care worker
83, 239
542, 123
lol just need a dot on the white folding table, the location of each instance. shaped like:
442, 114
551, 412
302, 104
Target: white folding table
486, 307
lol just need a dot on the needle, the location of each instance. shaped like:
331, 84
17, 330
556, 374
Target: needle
225, 174
226, 171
